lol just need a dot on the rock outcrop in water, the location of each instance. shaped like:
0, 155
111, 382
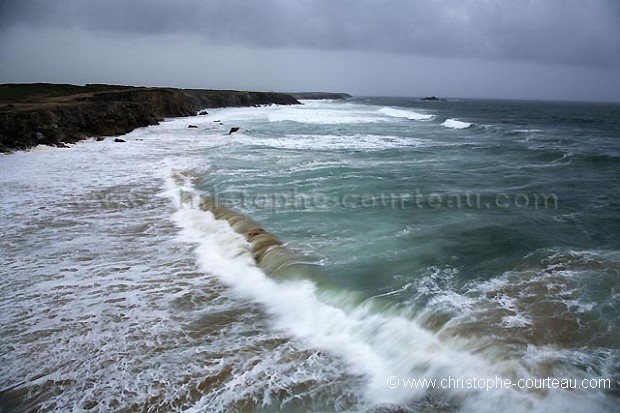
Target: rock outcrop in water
50, 114
432, 99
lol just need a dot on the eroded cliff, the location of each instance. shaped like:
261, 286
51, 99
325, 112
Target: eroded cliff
34, 114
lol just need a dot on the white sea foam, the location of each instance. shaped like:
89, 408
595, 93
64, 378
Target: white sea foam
406, 114
455, 124
528, 130
323, 113
337, 142
508, 301
103, 302
83, 302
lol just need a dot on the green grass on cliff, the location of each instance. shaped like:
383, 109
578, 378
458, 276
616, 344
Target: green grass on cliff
45, 92
35, 92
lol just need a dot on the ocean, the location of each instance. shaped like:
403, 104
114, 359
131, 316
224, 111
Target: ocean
368, 255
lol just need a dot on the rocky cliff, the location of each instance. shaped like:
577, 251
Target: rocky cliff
56, 114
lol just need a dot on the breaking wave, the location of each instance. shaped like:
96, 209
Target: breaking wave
455, 124
405, 114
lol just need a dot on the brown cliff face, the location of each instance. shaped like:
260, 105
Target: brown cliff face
52, 118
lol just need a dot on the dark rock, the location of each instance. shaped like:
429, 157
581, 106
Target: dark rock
192, 126
202, 113
119, 140
232, 130
99, 138
432, 99
217, 121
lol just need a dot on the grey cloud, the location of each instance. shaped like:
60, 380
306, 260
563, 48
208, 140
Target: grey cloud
184, 61
551, 31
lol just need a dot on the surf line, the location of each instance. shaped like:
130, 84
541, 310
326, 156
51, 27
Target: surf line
269, 253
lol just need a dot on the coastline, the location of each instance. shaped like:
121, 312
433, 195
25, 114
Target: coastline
54, 115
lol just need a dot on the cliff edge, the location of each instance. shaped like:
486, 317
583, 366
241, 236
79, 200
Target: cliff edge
51, 114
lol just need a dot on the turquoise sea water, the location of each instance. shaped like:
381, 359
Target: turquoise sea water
430, 240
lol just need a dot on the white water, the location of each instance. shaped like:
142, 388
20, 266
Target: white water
406, 114
144, 300
313, 112
455, 124
339, 142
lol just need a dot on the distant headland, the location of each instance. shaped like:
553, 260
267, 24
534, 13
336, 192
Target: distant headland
56, 114
320, 95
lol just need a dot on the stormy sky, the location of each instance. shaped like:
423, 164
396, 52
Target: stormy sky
525, 49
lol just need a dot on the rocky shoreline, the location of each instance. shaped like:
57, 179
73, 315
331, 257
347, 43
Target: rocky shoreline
50, 114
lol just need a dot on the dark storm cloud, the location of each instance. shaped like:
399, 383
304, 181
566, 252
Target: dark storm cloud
546, 31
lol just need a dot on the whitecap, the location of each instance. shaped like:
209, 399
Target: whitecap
455, 124
406, 114
339, 142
